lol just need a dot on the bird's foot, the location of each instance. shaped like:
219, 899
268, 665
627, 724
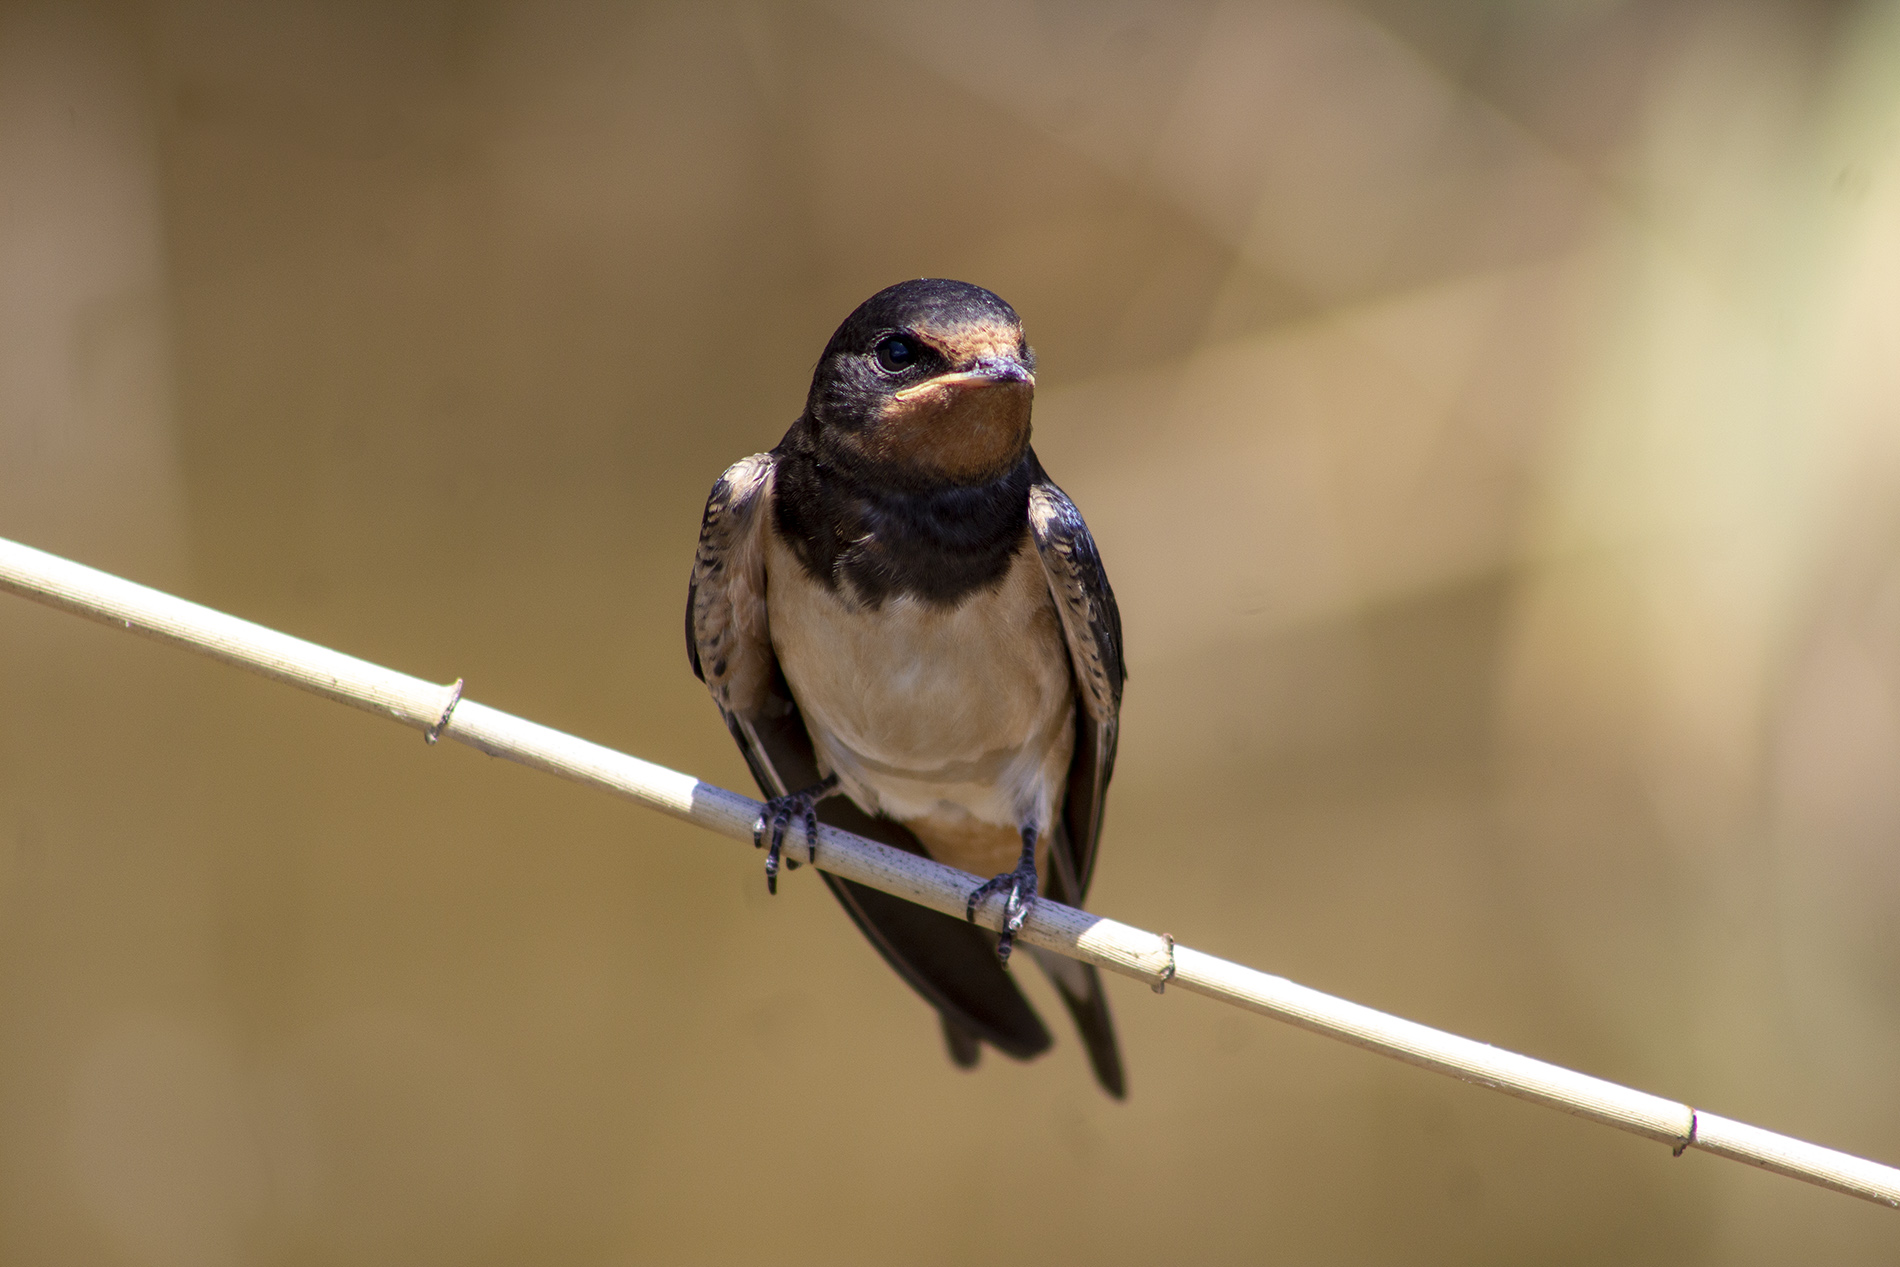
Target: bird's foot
779, 814
1019, 888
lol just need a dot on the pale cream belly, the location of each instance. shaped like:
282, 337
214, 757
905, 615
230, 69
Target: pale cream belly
957, 722
972, 845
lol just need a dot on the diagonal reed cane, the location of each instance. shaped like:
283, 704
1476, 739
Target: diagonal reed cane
441, 712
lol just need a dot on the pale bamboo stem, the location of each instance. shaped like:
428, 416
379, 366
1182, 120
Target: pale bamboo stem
440, 710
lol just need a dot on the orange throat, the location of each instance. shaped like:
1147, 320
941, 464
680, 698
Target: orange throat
966, 432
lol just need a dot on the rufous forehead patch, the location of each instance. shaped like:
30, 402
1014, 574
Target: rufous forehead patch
967, 344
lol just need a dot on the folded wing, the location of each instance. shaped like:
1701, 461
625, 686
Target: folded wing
1092, 625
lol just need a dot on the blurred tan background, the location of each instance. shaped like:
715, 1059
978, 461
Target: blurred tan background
1490, 415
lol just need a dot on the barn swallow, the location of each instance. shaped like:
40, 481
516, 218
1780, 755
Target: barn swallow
908, 630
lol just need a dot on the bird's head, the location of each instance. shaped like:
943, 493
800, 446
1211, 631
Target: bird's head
929, 380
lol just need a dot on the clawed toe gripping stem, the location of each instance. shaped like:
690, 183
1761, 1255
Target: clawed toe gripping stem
779, 813
1019, 886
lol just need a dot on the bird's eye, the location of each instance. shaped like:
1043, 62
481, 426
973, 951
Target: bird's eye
897, 353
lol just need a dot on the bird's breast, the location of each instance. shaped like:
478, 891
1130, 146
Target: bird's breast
931, 711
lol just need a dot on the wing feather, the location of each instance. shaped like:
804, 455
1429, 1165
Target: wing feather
1092, 626
728, 639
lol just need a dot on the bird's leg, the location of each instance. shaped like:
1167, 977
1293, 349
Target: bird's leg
779, 813
1019, 885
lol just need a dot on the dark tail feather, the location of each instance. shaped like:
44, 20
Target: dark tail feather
951, 963
1079, 984
965, 1048
1088, 1005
